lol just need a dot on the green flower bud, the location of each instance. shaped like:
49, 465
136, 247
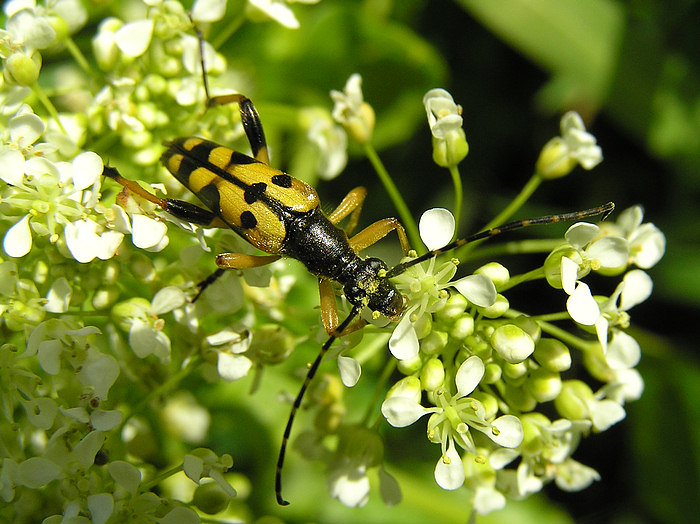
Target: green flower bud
271, 344
492, 373
410, 365
21, 69
432, 375
454, 307
462, 327
552, 265
498, 273
209, 498
519, 398
105, 297
452, 149
361, 445
434, 342
532, 432
554, 160
423, 326
512, 343
125, 312
544, 385
552, 354
529, 325
497, 309
572, 402
516, 373
489, 402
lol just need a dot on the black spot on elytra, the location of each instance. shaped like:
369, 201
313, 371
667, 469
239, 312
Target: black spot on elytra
282, 180
255, 192
248, 220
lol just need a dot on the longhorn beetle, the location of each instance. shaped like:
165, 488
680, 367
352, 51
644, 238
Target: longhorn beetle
281, 216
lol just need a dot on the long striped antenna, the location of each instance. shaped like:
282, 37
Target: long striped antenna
310, 374
604, 210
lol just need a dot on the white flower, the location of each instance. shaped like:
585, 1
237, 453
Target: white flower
352, 112
647, 242
279, 11
425, 286
331, 141
445, 120
575, 146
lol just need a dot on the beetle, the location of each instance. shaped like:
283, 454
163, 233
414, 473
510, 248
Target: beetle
281, 216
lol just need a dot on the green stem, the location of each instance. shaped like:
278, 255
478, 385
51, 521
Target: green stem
516, 247
525, 193
457, 183
148, 486
36, 88
230, 28
379, 388
522, 197
79, 57
557, 332
535, 274
399, 203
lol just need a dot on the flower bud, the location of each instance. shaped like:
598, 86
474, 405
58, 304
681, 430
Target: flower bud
512, 343
497, 309
462, 327
552, 354
572, 402
432, 375
434, 342
209, 498
498, 273
544, 385
21, 69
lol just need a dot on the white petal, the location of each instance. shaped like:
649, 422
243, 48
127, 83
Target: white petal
81, 240
436, 226
638, 287
401, 411
134, 38
18, 239
350, 487
581, 233
147, 232
630, 219
100, 507
105, 420
605, 413
48, 355
25, 129
233, 367
349, 371
36, 472
167, 299
478, 289
601, 329
100, 373
125, 475
208, 10
87, 168
582, 306
58, 297
403, 343
488, 499
108, 245
509, 429
575, 476
85, 450
449, 471
12, 167
648, 245
623, 351
569, 275
611, 251
469, 375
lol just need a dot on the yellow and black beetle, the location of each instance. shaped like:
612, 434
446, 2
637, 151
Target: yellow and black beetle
281, 216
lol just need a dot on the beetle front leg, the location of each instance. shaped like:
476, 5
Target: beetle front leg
375, 232
329, 311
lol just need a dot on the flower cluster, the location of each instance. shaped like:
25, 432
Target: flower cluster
103, 339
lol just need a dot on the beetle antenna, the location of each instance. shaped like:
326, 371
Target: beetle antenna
604, 210
297, 401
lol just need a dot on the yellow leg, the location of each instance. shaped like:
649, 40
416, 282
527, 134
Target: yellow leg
375, 232
243, 261
329, 311
351, 205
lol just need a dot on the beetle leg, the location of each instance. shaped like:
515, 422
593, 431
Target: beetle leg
243, 261
249, 115
329, 311
350, 205
375, 232
178, 208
